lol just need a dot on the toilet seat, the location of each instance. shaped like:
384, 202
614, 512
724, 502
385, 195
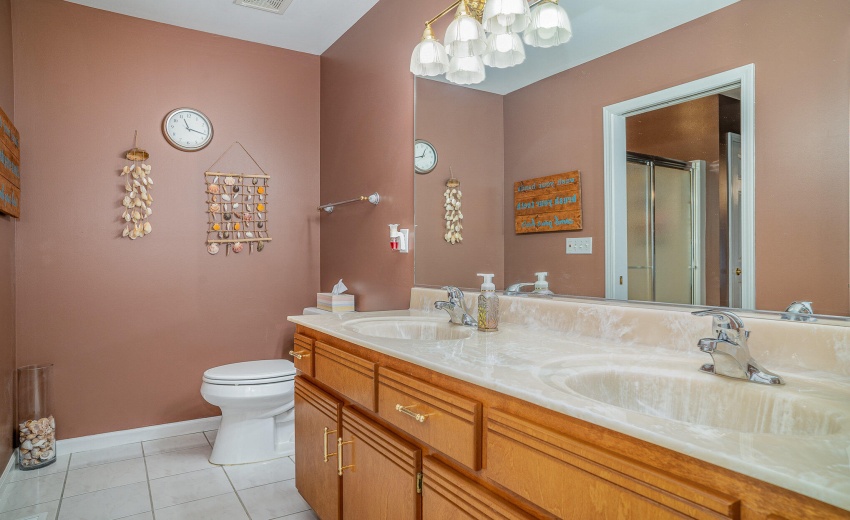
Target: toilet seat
251, 373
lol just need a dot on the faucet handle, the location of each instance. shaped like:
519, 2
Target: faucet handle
723, 320
455, 294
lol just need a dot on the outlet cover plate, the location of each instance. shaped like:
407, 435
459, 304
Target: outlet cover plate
580, 246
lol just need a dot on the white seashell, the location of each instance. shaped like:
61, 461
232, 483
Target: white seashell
136, 184
225, 197
125, 232
248, 234
457, 228
235, 205
38, 443
150, 181
144, 181
148, 211
26, 445
146, 167
147, 228
138, 202
125, 170
127, 217
136, 215
215, 180
230, 181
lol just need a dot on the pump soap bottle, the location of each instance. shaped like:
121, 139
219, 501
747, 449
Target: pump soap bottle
488, 305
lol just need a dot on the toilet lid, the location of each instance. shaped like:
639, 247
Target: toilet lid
251, 372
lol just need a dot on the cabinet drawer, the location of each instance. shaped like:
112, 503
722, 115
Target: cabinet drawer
572, 479
448, 422
352, 376
447, 494
302, 354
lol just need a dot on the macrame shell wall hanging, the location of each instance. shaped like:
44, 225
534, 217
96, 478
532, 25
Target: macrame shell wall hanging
454, 217
137, 199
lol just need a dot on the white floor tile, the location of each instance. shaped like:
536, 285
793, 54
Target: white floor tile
109, 504
87, 459
48, 507
221, 507
303, 515
140, 516
104, 476
211, 436
170, 491
177, 462
181, 442
244, 476
273, 500
16, 495
60, 466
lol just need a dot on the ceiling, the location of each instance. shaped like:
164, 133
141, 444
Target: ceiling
600, 27
307, 25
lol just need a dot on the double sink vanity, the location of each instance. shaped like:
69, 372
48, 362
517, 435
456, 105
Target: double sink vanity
572, 409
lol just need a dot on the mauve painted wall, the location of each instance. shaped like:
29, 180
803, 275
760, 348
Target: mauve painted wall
7, 255
802, 85
367, 146
466, 128
132, 325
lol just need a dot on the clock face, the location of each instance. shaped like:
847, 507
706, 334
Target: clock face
424, 156
187, 129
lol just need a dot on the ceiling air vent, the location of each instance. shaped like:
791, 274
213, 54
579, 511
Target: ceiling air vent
271, 6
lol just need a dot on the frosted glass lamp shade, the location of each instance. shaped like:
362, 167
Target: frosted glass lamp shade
549, 26
467, 70
429, 57
465, 36
504, 16
504, 50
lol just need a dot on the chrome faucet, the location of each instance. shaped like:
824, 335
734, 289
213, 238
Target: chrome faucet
516, 289
799, 311
729, 350
456, 307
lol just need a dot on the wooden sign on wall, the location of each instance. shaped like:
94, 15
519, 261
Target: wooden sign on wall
551, 203
10, 167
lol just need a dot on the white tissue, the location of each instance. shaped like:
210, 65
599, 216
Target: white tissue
339, 288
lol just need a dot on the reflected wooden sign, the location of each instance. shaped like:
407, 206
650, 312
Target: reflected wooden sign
551, 203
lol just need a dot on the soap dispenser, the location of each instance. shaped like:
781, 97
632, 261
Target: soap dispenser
541, 286
488, 305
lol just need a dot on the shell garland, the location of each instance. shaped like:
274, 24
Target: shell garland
236, 205
453, 217
37, 442
137, 200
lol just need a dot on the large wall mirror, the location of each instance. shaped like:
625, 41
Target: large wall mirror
736, 195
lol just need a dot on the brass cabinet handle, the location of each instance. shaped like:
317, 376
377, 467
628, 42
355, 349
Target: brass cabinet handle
416, 416
326, 444
298, 354
339, 466
738, 271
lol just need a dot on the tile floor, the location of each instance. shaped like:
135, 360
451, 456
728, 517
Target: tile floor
164, 479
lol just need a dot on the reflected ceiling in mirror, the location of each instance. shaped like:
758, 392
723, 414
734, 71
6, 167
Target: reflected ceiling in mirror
554, 125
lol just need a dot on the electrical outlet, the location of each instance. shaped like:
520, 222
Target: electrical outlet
579, 246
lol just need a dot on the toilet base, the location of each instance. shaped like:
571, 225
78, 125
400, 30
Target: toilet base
244, 441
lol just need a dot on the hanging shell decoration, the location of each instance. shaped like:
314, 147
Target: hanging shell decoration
236, 221
454, 217
137, 198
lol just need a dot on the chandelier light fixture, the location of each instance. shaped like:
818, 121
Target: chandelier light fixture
487, 32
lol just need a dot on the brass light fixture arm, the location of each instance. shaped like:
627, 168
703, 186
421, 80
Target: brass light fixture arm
454, 5
444, 13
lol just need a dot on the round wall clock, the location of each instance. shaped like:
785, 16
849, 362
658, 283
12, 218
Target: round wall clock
424, 156
187, 129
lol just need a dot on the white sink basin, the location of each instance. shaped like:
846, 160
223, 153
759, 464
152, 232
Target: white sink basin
677, 391
410, 328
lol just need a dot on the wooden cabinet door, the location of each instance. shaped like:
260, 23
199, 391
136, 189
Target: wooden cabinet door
379, 472
316, 474
447, 494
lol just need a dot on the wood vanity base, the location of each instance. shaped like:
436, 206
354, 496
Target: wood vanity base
419, 444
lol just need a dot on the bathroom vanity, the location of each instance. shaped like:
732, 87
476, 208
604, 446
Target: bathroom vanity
570, 410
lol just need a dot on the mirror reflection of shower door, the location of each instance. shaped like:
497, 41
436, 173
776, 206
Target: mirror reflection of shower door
733, 169
662, 224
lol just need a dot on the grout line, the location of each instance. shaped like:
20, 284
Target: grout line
239, 498
64, 483
148, 481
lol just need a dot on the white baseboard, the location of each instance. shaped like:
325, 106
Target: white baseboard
148, 433
9, 466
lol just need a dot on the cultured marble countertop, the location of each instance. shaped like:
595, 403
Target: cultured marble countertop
535, 364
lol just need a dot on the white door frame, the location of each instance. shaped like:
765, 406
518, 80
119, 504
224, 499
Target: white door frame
614, 123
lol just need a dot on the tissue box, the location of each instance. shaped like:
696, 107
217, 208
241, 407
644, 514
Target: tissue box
335, 302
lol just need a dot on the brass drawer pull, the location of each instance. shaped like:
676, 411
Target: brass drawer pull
299, 354
416, 416
326, 444
339, 466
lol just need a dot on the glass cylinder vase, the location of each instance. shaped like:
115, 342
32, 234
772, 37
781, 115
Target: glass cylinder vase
36, 425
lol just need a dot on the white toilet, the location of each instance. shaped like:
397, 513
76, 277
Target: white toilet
257, 400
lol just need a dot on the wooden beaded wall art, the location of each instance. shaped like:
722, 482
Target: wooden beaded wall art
237, 209
10, 167
137, 199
